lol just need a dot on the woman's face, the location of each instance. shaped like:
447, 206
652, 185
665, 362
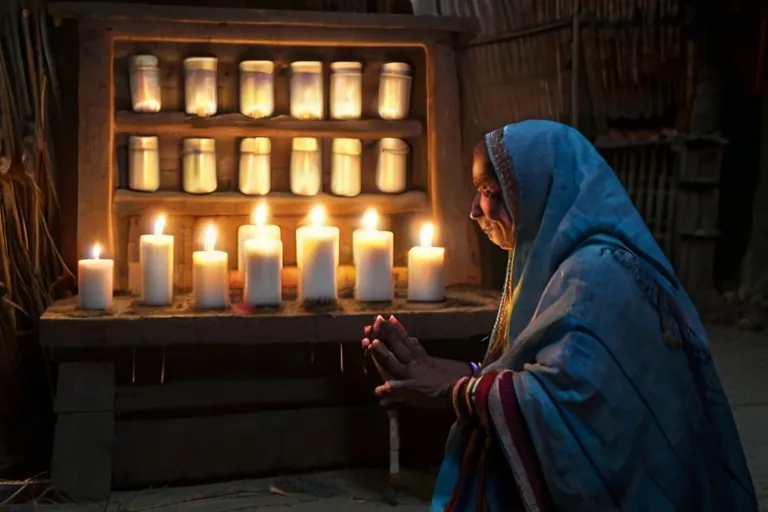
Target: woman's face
488, 208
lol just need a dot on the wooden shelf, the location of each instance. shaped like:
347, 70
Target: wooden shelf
129, 202
263, 17
237, 125
467, 312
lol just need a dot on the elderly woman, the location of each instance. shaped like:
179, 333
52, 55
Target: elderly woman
598, 391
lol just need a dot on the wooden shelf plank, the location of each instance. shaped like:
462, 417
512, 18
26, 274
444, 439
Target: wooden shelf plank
237, 125
466, 313
129, 202
219, 15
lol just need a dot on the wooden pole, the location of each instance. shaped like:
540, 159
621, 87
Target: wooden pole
575, 69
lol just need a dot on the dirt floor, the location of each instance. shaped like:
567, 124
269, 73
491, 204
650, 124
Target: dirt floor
742, 358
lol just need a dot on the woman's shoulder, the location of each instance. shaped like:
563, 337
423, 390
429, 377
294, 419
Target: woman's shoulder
606, 271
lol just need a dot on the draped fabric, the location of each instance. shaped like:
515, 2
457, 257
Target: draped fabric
604, 395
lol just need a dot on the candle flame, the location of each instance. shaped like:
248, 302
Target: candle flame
259, 216
427, 233
317, 216
371, 219
209, 238
96, 251
159, 225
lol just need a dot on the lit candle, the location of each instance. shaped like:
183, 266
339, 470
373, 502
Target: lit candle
307, 90
263, 267
425, 269
145, 83
394, 90
317, 257
200, 86
257, 88
95, 277
156, 261
372, 251
210, 280
258, 228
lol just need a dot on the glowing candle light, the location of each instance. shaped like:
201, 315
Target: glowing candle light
95, 280
145, 83
257, 228
426, 282
210, 279
156, 261
317, 257
373, 253
200, 86
263, 261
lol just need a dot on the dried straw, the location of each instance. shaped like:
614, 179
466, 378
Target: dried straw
30, 263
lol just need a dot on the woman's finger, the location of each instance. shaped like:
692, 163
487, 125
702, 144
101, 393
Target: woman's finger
395, 343
411, 344
366, 343
384, 357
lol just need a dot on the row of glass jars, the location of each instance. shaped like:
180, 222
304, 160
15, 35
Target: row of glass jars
199, 166
257, 88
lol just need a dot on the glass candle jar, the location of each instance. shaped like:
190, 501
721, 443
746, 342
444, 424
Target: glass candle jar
346, 90
143, 164
255, 166
306, 172
145, 83
199, 166
391, 165
200, 86
345, 167
307, 90
395, 91
257, 88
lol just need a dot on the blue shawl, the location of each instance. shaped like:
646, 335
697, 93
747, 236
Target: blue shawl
599, 348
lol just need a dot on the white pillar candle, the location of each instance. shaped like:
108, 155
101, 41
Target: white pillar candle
373, 255
426, 282
210, 278
156, 262
95, 280
263, 268
258, 228
317, 258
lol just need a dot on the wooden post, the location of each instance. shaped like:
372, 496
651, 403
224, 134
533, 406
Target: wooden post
95, 118
575, 68
450, 185
82, 448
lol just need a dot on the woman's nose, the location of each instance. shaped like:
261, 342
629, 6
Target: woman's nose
475, 212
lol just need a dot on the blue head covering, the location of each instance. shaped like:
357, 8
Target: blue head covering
619, 417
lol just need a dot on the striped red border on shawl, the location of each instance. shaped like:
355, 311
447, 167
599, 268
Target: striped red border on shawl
505, 172
512, 430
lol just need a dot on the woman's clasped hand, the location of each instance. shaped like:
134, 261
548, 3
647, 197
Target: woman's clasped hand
411, 376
